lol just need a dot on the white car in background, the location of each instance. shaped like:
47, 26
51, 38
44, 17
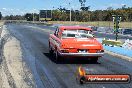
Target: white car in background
105, 29
93, 28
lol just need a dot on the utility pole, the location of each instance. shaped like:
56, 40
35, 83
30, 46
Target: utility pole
70, 11
116, 20
52, 13
39, 16
33, 17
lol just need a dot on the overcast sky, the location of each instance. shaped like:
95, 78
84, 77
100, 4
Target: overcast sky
8, 7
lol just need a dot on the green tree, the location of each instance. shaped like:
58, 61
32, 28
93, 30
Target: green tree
29, 16
62, 14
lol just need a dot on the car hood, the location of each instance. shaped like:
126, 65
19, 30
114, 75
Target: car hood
87, 43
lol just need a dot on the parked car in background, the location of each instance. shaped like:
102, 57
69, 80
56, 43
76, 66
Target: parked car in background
105, 29
126, 31
93, 28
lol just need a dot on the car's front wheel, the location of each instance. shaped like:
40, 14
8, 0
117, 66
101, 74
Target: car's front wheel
50, 50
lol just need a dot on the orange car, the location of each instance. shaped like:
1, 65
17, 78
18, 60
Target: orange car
75, 41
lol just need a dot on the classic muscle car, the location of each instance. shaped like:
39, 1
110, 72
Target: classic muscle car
74, 41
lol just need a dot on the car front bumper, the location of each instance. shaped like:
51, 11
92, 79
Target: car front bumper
82, 54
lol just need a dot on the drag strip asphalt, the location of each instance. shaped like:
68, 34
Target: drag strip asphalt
49, 74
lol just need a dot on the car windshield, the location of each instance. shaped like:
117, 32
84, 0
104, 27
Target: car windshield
77, 34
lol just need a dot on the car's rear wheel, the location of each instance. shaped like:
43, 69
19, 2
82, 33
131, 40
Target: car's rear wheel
57, 56
94, 59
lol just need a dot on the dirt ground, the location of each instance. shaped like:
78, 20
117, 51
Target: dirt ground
1, 23
14, 72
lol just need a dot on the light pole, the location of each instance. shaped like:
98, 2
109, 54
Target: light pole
70, 11
52, 13
39, 16
34, 10
33, 17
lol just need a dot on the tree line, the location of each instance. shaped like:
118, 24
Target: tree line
97, 15
62, 14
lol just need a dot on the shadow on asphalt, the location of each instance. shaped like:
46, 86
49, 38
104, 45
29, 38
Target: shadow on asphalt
70, 60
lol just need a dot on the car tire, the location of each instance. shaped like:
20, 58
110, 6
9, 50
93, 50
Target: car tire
51, 50
94, 60
57, 56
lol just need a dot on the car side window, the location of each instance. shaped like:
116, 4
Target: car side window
56, 32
